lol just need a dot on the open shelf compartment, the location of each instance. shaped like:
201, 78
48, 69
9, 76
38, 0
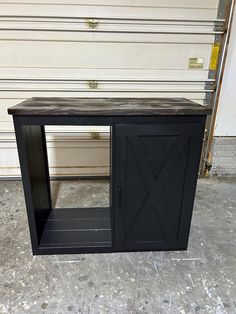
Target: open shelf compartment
77, 228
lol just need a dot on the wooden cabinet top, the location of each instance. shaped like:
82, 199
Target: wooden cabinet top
51, 106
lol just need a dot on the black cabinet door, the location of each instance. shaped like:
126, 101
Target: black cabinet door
156, 168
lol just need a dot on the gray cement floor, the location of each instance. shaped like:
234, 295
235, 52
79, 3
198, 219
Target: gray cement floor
200, 280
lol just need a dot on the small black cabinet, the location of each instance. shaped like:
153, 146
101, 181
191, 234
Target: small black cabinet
155, 153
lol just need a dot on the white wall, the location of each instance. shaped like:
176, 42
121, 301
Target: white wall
226, 115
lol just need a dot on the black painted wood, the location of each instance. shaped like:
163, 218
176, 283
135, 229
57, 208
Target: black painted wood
154, 166
32, 151
107, 107
156, 175
107, 120
77, 228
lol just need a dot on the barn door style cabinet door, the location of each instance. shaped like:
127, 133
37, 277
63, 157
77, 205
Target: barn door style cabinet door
155, 153
155, 173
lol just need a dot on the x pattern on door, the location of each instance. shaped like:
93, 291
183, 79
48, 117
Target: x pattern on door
154, 183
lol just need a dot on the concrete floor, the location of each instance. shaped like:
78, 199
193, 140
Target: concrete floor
200, 280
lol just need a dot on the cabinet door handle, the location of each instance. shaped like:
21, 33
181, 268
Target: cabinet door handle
119, 197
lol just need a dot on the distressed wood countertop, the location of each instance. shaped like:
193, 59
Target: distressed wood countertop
51, 106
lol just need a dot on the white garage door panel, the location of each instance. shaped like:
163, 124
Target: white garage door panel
181, 11
86, 157
50, 73
97, 37
161, 56
103, 86
103, 26
153, 3
137, 48
78, 154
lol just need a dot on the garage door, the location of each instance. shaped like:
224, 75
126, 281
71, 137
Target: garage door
101, 48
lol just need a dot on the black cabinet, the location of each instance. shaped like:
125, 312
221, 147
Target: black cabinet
155, 171
155, 152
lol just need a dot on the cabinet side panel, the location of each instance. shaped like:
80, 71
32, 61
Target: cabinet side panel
190, 185
34, 168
